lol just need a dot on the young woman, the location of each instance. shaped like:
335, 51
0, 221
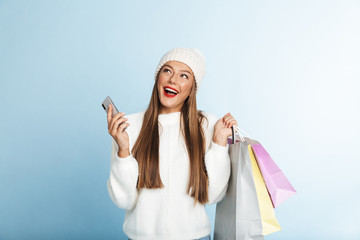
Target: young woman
169, 161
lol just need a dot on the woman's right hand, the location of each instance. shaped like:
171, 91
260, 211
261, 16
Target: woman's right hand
116, 127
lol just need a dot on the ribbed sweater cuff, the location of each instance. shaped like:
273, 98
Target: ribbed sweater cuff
128, 161
123, 159
219, 148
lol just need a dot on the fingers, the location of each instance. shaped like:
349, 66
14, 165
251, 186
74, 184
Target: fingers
109, 114
123, 127
115, 118
229, 120
231, 123
116, 121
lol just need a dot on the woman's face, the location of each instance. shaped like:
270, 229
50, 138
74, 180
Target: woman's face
178, 77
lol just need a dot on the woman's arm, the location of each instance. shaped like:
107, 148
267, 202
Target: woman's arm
217, 164
123, 179
217, 160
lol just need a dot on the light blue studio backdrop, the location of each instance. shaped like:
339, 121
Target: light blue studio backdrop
287, 70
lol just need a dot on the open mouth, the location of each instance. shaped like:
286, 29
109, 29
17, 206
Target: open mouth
170, 92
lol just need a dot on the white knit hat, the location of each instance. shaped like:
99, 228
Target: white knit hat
192, 57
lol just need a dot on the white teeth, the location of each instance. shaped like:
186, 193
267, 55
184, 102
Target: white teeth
170, 90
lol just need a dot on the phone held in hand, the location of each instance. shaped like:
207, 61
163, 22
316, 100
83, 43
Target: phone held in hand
106, 103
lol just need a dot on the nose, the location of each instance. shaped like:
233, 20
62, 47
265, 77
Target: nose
172, 79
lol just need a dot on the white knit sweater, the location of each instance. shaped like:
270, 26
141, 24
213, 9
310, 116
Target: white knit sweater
169, 212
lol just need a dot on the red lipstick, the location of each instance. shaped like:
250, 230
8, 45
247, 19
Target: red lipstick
170, 94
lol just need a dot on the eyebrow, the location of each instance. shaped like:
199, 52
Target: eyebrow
180, 70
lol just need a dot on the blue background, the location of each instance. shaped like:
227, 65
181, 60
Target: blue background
287, 70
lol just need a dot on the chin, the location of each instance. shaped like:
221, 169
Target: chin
168, 105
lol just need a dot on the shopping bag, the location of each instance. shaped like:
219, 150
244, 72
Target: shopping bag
238, 214
268, 218
246, 212
278, 186
269, 221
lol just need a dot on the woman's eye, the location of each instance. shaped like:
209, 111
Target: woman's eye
166, 70
184, 75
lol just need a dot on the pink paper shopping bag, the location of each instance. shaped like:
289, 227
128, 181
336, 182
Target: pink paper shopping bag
277, 184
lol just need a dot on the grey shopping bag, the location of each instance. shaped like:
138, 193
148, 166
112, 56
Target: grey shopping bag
238, 214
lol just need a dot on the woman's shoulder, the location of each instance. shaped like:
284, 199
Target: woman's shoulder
209, 115
135, 117
211, 119
135, 120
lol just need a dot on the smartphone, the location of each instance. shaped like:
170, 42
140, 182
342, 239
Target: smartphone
106, 103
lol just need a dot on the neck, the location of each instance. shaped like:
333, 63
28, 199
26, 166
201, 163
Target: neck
165, 110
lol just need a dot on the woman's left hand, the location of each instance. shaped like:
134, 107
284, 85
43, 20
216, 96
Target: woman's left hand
222, 129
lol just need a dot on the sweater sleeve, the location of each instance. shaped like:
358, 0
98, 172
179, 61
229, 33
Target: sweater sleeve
217, 162
123, 178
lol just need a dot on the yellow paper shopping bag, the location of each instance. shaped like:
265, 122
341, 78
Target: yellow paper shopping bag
269, 221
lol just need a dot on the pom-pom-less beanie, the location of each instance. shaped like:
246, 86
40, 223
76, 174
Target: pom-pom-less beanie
192, 57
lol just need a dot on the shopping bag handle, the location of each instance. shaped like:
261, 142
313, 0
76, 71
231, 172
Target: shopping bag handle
236, 129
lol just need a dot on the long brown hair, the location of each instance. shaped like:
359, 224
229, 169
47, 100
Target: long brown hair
146, 147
